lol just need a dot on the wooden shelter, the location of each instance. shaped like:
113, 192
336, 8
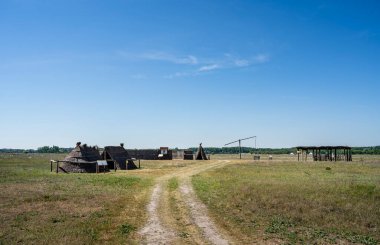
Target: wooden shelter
118, 158
150, 154
201, 155
82, 159
325, 153
188, 155
183, 154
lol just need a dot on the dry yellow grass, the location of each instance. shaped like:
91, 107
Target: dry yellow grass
37, 206
295, 202
267, 201
40, 207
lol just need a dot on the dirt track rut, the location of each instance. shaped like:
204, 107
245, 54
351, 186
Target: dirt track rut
181, 218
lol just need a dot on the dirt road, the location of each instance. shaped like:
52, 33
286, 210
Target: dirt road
177, 216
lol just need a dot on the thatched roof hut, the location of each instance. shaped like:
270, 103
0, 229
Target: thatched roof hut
120, 157
201, 155
82, 159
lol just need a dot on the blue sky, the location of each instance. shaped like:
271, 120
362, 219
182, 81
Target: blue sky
177, 73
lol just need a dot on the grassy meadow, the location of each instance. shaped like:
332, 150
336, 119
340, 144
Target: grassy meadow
40, 207
280, 201
284, 201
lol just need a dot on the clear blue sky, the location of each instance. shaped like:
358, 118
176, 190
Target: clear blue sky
177, 73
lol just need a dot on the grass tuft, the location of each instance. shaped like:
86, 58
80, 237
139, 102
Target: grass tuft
279, 224
126, 229
173, 184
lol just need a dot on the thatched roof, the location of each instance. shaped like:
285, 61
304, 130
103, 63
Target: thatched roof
119, 155
201, 155
83, 154
82, 159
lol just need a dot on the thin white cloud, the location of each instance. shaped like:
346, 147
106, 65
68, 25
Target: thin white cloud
209, 67
200, 65
241, 62
162, 56
262, 58
229, 61
178, 74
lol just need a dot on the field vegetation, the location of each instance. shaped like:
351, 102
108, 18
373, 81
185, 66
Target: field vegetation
280, 201
292, 202
37, 206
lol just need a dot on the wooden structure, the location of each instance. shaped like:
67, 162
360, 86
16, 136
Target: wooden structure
99, 166
183, 154
149, 154
118, 158
82, 159
325, 153
188, 155
240, 140
165, 153
200, 155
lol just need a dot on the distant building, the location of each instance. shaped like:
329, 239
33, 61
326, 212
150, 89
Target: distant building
82, 159
118, 158
164, 153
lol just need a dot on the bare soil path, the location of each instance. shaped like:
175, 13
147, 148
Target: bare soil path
178, 217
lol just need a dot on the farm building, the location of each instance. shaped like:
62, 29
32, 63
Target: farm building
325, 153
118, 158
82, 159
151, 154
183, 154
200, 155
188, 155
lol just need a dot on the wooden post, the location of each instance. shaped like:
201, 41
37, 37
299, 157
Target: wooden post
316, 154
51, 166
350, 155
330, 155
240, 148
298, 154
57, 166
335, 156
344, 154
307, 152
139, 163
97, 167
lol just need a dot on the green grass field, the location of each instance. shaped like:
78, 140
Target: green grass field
293, 202
41, 207
280, 201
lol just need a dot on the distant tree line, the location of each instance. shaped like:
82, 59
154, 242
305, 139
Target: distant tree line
53, 149
43, 149
235, 150
372, 150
